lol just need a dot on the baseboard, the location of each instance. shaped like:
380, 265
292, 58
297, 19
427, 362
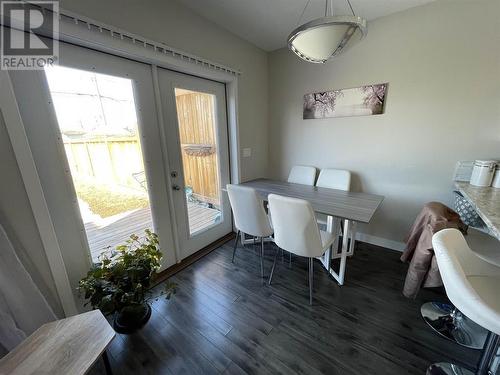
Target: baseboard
379, 241
172, 270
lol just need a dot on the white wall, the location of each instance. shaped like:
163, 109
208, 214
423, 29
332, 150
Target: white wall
442, 62
173, 24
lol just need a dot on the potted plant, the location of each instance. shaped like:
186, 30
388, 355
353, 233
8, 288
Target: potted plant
120, 283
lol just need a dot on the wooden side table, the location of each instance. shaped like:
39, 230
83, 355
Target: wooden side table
66, 346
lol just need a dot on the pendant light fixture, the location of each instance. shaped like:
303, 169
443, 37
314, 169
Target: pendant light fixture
323, 38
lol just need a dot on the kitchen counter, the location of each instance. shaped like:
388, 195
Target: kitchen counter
486, 201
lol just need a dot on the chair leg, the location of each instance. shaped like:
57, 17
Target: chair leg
235, 245
311, 277
274, 266
262, 257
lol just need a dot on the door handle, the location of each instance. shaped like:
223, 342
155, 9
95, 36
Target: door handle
176, 187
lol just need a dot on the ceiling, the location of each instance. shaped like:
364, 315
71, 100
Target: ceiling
267, 23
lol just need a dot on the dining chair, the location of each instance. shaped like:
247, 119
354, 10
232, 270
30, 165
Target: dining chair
334, 179
249, 217
339, 179
296, 231
301, 174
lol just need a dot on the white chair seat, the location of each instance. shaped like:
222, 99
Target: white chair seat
484, 246
486, 288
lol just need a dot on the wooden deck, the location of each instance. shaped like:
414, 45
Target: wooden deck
116, 232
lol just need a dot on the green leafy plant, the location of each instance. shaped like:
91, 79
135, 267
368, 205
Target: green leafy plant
124, 276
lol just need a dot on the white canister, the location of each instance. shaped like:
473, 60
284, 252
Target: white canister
496, 179
482, 173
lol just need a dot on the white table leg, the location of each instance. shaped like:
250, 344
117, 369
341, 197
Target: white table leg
332, 226
352, 236
348, 231
345, 249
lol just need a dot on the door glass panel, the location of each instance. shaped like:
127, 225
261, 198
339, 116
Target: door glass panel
197, 132
97, 118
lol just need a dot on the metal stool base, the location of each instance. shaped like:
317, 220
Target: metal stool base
444, 368
450, 323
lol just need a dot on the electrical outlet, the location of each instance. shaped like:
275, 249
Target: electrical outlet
247, 152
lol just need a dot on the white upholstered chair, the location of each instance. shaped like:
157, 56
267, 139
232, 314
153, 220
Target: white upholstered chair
472, 286
296, 231
249, 216
484, 246
334, 179
300, 174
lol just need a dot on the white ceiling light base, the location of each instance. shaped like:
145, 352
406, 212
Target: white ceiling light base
321, 39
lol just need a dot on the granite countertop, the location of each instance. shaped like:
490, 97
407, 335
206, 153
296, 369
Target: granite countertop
486, 201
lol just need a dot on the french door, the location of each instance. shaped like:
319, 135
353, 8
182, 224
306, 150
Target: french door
194, 112
117, 157
107, 132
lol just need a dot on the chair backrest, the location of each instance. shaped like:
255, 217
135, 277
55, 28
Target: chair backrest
334, 179
248, 211
295, 226
462, 272
301, 174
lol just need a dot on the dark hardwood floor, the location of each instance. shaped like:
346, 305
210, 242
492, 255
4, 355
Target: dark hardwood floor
223, 319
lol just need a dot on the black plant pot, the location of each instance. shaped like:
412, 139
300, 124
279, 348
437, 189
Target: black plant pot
131, 318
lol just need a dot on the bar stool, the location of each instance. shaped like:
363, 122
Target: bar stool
445, 318
249, 217
472, 286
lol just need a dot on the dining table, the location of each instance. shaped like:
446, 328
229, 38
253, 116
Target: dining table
338, 206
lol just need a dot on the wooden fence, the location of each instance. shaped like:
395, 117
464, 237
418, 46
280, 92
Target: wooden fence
115, 160
196, 113
106, 160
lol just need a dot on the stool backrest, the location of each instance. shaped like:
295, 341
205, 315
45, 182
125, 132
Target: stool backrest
248, 211
295, 227
334, 179
301, 174
455, 257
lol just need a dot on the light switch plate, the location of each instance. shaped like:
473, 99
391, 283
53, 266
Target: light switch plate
247, 152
